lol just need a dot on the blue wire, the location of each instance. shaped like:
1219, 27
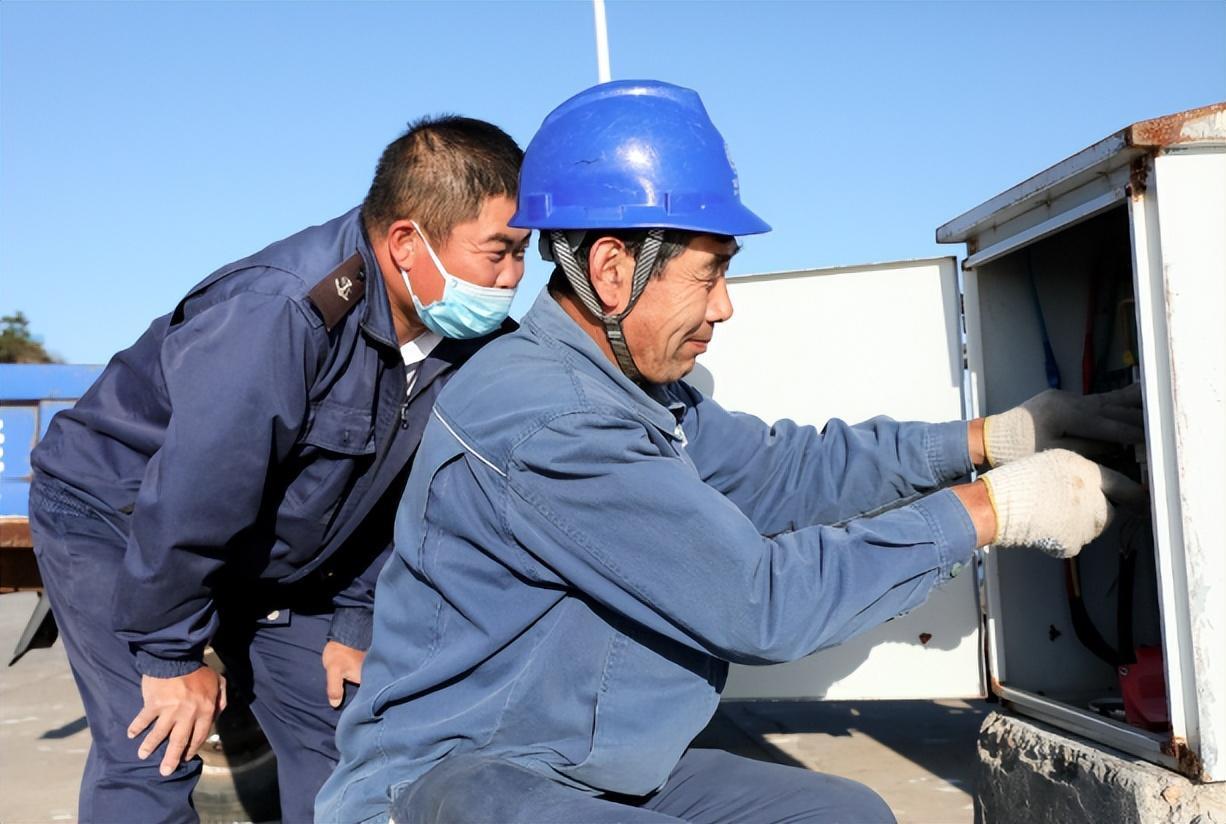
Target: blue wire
1049, 355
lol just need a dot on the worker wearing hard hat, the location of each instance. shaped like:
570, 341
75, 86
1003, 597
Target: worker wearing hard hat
232, 477
586, 542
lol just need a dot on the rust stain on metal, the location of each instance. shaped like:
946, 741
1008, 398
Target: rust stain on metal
1187, 760
1138, 177
1191, 126
925, 637
15, 533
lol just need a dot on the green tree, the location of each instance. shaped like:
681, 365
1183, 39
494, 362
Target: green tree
16, 343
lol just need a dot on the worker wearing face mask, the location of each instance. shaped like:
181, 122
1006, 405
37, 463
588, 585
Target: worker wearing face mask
230, 479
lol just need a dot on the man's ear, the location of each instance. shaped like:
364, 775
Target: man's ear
611, 269
403, 244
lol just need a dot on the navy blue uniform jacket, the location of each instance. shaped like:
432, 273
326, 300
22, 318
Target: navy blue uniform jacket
244, 440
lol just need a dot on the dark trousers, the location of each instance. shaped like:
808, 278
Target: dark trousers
706, 787
79, 552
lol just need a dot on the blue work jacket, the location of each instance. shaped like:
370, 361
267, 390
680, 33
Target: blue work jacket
246, 439
577, 560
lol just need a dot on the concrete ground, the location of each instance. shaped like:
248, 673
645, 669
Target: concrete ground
920, 755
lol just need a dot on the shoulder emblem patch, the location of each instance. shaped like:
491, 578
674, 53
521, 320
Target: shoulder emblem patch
339, 292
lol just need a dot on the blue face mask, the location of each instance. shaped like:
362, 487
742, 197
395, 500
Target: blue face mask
465, 310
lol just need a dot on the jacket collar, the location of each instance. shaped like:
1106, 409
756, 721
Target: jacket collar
377, 314
548, 319
451, 353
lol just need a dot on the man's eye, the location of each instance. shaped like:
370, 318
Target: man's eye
496, 257
520, 254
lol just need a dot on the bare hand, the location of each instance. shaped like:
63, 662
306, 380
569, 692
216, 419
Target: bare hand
181, 709
341, 664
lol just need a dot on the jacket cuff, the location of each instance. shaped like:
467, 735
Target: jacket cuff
352, 626
952, 529
949, 454
155, 667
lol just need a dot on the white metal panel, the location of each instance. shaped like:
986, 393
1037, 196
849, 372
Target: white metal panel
1034, 200
853, 343
1164, 498
1062, 218
1038, 192
976, 402
1188, 291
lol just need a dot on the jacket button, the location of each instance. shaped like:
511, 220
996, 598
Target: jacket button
955, 569
274, 615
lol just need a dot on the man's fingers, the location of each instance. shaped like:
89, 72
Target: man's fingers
1107, 429
1086, 447
200, 734
180, 737
1124, 414
336, 686
1123, 490
1111, 514
1130, 395
221, 694
142, 720
156, 736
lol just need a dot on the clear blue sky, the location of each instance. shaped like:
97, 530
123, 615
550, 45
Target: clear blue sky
144, 144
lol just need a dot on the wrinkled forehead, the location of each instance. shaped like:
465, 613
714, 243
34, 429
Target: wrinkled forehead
722, 248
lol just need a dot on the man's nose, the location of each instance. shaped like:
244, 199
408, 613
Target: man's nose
510, 275
719, 307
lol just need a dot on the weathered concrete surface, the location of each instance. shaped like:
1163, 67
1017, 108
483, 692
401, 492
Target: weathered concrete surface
43, 736
918, 755
1030, 772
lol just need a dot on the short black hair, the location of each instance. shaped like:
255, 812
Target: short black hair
673, 244
439, 173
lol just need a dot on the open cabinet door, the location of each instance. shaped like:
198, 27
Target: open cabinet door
852, 343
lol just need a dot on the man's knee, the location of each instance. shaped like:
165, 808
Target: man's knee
112, 791
463, 788
475, 789
731, 787
850, 801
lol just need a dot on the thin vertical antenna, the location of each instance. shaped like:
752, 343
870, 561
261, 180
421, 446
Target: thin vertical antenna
602, 43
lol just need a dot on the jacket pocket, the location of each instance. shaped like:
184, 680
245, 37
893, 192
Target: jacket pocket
655, 696
337, 446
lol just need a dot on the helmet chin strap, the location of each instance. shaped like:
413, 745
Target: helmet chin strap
564, 254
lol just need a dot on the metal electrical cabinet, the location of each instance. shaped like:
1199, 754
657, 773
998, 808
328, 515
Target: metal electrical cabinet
1108, 268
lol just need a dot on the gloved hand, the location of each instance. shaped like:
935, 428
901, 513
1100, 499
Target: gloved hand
1056, 501
1087, 424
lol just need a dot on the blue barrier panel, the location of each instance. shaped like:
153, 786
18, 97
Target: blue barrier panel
30, 394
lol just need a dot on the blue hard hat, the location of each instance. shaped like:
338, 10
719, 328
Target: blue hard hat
632, 154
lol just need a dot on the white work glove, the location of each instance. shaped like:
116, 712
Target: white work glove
1056, 501
1086, 424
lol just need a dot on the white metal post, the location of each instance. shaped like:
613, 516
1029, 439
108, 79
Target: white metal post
602, 43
